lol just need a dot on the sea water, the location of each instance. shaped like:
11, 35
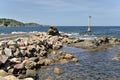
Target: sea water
72, 31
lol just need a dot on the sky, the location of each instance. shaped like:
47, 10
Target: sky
63, 12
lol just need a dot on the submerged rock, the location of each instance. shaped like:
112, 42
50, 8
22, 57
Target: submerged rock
64, 61
116, 57
58, 71
68, 56
74, 60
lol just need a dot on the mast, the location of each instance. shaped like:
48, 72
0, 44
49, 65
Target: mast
89, 30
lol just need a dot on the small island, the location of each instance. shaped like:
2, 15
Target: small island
4, 22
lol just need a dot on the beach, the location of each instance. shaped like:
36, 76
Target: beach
55, 56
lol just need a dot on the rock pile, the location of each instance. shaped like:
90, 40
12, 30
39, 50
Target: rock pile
102, 42
25, 55
22, 57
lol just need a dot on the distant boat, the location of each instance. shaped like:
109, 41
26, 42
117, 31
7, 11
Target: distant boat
89, 30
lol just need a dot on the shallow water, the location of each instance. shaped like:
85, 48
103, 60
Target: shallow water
93, 66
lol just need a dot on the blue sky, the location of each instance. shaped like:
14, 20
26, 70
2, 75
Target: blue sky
63, 12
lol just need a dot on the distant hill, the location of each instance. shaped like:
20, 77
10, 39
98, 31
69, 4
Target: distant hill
14, 23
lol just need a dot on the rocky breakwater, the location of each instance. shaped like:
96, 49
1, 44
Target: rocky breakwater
22, 57
101, 43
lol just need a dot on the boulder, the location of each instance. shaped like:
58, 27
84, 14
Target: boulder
3, 73
10, 71
31, 47
8, 52
3, 59
11, 42
20, 43
11, 77
74, 60
53, 31
29, 64
2, 78
30, 73
13, 48
114, 41
17, 52
104, 40
23, 47
19, 66
15, 60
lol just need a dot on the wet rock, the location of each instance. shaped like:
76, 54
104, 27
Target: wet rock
3, 59
11, 77
30, 73
64, 61
117, 57
68, 56
8, 52
47, 62
114, 41
53, 31
3, 73
104, 40
64, 40
57, 71
74, 60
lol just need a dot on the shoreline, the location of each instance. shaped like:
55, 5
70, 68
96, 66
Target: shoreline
21, 55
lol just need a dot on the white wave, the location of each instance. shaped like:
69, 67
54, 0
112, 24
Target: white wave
18, 32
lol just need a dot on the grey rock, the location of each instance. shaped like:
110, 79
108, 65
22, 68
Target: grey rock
8, 52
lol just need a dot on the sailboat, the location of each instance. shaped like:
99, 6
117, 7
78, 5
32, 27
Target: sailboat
89, 30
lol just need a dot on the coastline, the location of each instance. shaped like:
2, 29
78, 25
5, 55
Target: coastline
28, 52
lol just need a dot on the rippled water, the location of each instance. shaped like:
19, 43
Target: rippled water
73, 31
93, 66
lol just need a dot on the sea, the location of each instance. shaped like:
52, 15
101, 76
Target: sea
72, 31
